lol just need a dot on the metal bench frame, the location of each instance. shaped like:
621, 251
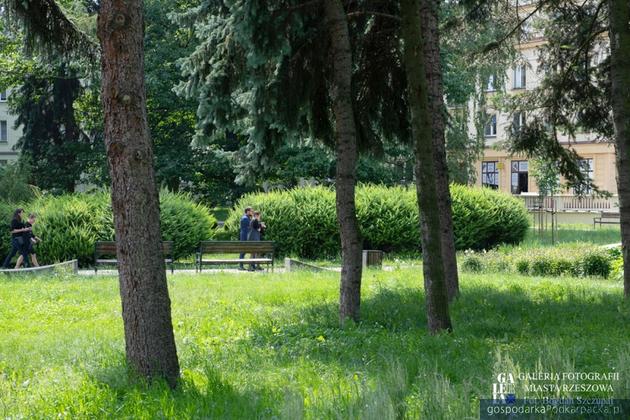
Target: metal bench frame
607, 218
265, 248
104, 248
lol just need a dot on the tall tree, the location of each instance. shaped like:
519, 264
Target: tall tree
278, 87
429, 10
52, 142
619, 35
347, 155
150, 344
422, 122
149, 339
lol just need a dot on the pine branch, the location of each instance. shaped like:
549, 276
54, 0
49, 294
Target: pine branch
371, 13
496, 44
46, 27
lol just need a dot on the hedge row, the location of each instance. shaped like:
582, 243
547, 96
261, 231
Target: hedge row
302, 221
576, 260
69, 225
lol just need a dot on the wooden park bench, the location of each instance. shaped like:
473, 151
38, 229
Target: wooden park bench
263, 250
108, 249
607, 218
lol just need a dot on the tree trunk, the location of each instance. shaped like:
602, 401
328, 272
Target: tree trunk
346, 149
619, 33
422, 132
146, 306
430, 34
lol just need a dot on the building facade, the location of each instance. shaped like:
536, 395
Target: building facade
8, 134
512, 174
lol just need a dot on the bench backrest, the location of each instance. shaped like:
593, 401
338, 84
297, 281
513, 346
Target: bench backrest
227, 247
109, 248
610, 215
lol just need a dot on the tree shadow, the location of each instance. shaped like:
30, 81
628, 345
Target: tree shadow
202, 392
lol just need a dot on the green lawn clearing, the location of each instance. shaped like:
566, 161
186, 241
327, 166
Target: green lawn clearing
269, 346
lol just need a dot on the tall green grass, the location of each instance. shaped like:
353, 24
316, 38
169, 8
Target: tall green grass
573, 233
269, 346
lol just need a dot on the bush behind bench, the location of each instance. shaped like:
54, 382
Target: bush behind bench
69, 225
302, 221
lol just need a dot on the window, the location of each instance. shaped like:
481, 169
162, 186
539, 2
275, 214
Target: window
586, 167
520, 77
518, 121
491, 82
3, 96
490, 175
491, 126
3, 131
520, 176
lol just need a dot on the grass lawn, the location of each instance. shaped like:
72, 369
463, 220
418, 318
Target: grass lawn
268, 346
574, 233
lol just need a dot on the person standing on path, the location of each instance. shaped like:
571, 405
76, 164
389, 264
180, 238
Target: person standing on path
244, 231
17, 239
255, 234
29, 244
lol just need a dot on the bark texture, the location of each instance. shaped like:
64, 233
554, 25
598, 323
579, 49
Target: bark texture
619, 33
431, 43
347, 155
146, 306
422, 131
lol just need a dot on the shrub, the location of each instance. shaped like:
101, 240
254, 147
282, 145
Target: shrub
596, 264
522, 267
69, 225
185, 222
472, 264
579, 260
6, 213
541, 267
302, 221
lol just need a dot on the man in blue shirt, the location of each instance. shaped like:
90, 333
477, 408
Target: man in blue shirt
244, 232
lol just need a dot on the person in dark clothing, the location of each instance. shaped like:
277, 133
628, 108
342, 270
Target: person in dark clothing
29, 244
255, 234
244, 231
17, 239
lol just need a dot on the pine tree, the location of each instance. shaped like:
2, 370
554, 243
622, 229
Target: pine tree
150, 344
422, 130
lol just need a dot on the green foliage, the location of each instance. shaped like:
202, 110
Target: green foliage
484, 218
258, 346
303, 220
616, 271
69, 225
14, 183
577, 260
547, 176
596, 264
185, 222
6, 214
52, 141
472, 263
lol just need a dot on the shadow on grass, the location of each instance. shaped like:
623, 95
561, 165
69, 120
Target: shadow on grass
201, 393
389, 354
